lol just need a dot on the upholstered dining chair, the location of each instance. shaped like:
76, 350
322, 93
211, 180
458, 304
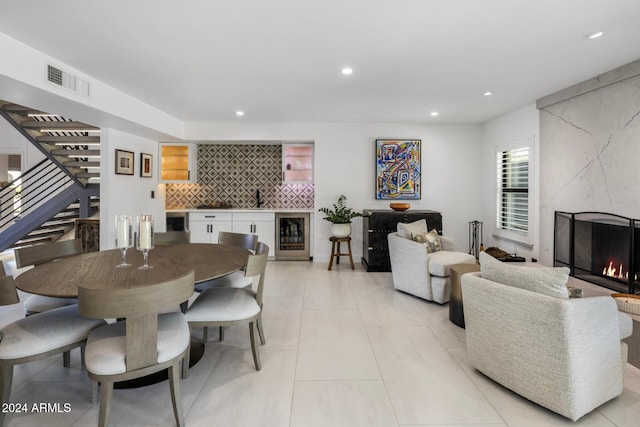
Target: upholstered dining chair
223, 306
238, 278
41, 254
38, 336
147, 341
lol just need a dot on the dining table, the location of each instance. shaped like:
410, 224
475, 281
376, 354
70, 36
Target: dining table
62, 277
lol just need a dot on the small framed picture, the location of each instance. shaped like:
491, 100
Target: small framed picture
146, 163
124, 162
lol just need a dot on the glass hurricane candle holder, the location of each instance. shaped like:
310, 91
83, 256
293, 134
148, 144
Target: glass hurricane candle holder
144, 238
124, 237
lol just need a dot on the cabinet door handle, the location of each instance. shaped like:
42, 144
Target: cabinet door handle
188, 175
209, 216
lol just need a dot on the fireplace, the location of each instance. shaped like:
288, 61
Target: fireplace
600, 248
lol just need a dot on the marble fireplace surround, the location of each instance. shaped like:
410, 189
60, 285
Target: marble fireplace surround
590, 150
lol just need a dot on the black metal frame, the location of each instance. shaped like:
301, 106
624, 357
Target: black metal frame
631, 288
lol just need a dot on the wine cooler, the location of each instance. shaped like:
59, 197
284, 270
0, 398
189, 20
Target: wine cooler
292, 236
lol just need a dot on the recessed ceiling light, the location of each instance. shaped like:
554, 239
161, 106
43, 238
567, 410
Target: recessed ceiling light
434, 114
239, 113
488, 93
347, 71
595, 35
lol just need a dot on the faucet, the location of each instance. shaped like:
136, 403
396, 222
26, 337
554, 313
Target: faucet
259, 202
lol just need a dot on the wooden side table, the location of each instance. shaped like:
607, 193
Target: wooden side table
335, 250
456, 313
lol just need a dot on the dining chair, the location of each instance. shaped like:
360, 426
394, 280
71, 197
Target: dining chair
224, 306
38, 336
145, 342
172, 237
41, 254
236, 279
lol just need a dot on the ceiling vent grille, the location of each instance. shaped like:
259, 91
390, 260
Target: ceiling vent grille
67, 81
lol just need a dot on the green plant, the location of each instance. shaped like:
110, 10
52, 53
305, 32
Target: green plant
340, 214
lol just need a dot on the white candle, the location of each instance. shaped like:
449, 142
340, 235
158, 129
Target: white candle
122, 232
145, 234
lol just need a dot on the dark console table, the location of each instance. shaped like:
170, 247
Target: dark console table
377, 224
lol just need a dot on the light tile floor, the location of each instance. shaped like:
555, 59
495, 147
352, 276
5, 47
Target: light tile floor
343, 349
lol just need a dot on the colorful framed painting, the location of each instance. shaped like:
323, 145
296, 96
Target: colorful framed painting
398, 169
124, 162
146, 162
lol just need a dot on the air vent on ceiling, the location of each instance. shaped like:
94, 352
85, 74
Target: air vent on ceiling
62, 78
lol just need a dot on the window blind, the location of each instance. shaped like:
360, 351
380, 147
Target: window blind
513, 190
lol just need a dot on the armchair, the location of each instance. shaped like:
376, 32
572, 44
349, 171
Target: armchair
563, 354
421, 273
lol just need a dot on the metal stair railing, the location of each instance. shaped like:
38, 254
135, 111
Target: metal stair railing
40, 184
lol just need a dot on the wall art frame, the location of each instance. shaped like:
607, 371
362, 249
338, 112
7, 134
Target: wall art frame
398, 169
146, 165
124, 162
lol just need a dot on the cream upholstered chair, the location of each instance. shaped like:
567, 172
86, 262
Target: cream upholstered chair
222, 306
41, 254
525, 333
144, 343
421, 273
236, 279
38, 336
171, 237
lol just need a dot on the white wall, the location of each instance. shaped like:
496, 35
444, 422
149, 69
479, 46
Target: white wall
511, 127
345, 164
121, 194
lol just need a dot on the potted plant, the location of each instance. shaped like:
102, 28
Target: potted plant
340, 217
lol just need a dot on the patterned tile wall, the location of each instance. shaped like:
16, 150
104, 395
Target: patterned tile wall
233, 173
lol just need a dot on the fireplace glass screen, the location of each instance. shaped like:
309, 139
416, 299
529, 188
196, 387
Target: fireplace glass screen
599, 248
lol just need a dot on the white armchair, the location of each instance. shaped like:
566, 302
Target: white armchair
421, 273
564, 354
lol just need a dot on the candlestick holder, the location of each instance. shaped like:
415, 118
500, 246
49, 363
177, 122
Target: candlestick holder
124, 238
144, 238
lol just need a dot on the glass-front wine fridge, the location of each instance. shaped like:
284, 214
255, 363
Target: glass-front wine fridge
292, 236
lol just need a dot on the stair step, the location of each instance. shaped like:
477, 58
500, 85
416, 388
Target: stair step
87, 174
79, 153
58, 126
69, 139
81, 164
38, 232
19, 109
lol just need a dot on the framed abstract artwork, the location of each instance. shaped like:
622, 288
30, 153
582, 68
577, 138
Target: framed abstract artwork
398, 169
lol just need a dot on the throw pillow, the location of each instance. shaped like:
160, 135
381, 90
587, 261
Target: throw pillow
550, 281
431, 240
411, 229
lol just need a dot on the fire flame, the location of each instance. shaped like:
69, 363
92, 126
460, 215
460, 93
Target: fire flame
612, 272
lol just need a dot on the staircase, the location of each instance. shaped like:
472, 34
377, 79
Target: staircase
42, 204
73, 146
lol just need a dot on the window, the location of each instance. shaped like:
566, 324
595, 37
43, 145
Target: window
512, 213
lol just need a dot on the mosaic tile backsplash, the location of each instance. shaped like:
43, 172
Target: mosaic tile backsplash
233, 173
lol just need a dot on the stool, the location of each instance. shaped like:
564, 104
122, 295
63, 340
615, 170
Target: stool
335, 250
456, 309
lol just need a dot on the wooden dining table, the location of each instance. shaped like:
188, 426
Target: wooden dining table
61, 278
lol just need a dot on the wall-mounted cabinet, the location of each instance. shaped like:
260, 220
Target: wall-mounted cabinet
297, 163
177, 162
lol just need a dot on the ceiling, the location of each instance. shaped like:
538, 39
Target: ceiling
281, 60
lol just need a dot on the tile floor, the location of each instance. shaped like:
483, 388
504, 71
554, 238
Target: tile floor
343, 349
